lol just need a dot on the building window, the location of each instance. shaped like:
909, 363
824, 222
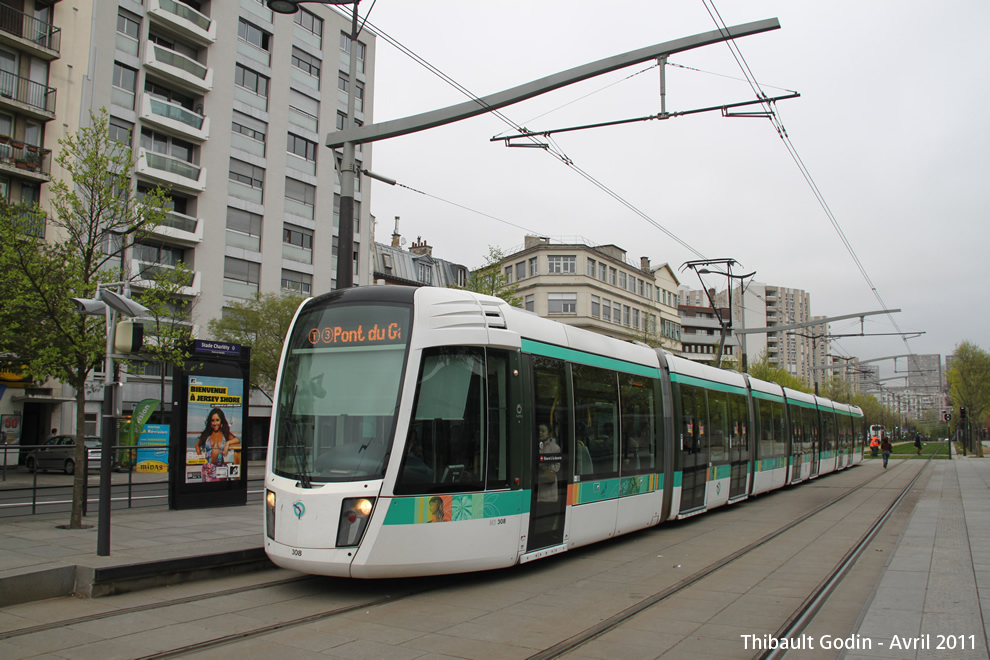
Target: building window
244, 222
607, 311
612, 276
300, 283
508, 274
297, 236
160, 143
300, 199
254, 35
240, 270
591, 267
250, 80
124, 83
309, 22
596, 305
306, 63
617, 313
341, 120
622, 280
562, 264
345, 46
532, 267
641, 284
530, 303
625, 315
121, 131
301, 147
425, 274
635, 319
246, 173
163, 255
561, 303
128, 29
602, 271
304, 110
521, 270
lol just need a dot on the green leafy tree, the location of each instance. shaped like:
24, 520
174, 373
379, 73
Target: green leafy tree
763, 370
168, 335
262, 324
969, 386
94, 212
490, 279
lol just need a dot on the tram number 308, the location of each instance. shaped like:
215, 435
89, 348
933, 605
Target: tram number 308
296, 552
496, 521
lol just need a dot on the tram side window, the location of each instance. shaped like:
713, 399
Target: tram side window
550, 409
718, 416
828, 431
779, 428
765, 430
738, 420
446, 433
498, 416
639, 417
797, 429
596, 410
692, 425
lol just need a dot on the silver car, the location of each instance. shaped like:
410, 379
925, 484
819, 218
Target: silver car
59, 453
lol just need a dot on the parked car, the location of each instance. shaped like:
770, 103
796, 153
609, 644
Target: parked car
59, 453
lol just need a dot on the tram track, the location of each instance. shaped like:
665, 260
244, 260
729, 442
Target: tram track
411, 588
801, 617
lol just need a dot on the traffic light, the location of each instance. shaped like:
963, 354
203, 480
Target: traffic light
962, 412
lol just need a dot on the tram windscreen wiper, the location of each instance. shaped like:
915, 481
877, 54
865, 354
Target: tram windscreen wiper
295, 441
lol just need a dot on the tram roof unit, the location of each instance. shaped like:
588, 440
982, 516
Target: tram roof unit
800, 398
683, 367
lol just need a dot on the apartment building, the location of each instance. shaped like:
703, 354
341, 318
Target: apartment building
223, 103
393, 264
596, 288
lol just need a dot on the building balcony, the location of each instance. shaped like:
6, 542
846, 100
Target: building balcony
25, 32
27, 97
175, 119
144, 274
171, 171
25, 160
181, 229
183, 20
178, 69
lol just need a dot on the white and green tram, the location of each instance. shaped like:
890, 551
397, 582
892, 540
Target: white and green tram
422, 431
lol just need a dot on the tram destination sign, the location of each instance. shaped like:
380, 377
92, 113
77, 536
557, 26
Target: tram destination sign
355, 335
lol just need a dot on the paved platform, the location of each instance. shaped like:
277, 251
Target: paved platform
933, 598
148, 547
935, 583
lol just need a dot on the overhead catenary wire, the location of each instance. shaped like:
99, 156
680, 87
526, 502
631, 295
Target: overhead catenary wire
551, 147
777, 122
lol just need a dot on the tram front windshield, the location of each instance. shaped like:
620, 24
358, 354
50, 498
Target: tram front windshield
339, 392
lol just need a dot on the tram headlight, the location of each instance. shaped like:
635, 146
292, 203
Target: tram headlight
354, 515
270, 514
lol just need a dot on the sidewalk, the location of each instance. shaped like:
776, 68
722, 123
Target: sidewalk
148, 547
937, 582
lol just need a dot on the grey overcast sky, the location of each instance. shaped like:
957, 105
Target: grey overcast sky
890, 125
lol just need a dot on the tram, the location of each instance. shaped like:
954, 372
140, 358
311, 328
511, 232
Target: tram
424, 431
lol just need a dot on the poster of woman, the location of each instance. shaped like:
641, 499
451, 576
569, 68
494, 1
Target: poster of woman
213, 447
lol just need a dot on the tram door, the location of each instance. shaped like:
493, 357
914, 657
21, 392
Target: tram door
693, 444
816, 439
738, 445
550, 449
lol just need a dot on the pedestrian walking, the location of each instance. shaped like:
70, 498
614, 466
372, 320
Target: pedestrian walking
886, 448
917, 444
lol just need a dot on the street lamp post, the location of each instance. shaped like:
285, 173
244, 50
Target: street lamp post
347, 166
106, 304
725, 326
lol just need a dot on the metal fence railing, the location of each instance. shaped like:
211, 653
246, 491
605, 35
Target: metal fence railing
48, 487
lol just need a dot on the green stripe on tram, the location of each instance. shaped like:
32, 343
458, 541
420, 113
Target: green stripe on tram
707, 384
590, 359
587, 492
